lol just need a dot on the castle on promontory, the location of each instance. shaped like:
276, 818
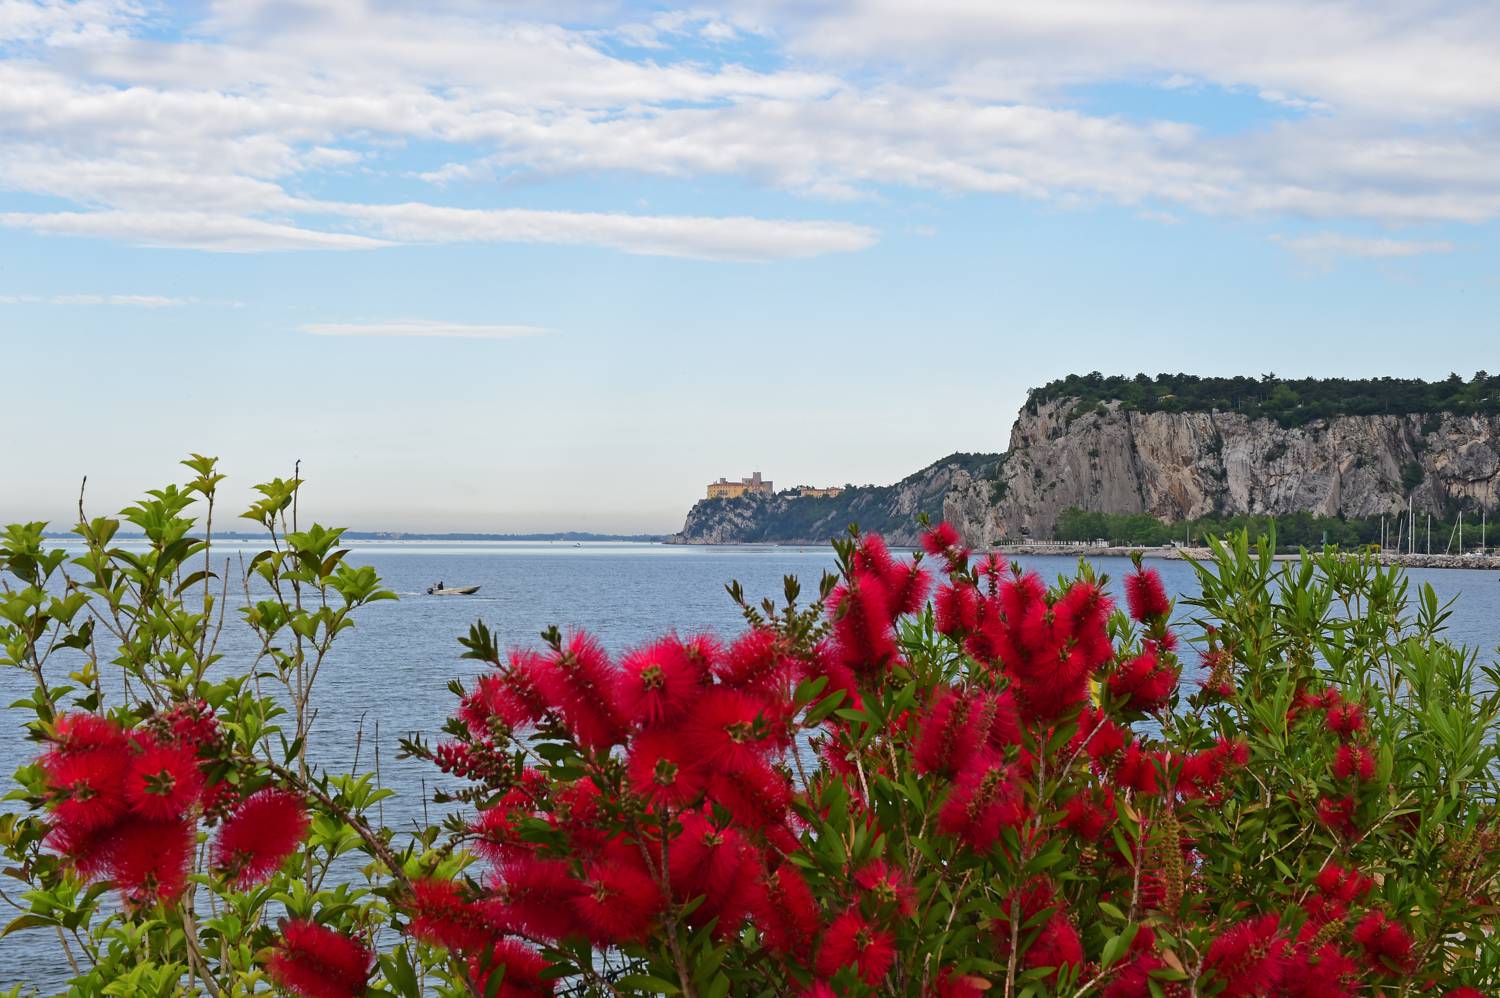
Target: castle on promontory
757, 486
753, 486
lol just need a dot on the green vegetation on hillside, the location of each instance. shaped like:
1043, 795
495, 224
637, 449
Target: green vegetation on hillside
789, 518
1289, 402
1293, 531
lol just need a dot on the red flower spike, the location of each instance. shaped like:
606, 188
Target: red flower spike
87, 787
753, 659
984, 799
1354, 762
535, 896
150, 859
522, 969
956, 607
659, 683
888, 885
1145, 683
316, 962
664, 769
1338, 815
619, 900
786, 914
947, 738
1387, 944
163, 782
1345, 719
583, 686
852, 941
259, 835
1249, 958
941, 539
1146, 596
441, 915
723, 731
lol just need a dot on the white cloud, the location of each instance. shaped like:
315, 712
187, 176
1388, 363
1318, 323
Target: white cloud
1325, 247
422, 328
658, 235
188, 230
134, 301
1388, 111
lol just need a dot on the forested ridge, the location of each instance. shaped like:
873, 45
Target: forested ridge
1290, 402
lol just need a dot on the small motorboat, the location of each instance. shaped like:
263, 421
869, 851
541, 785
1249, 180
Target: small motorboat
452, 591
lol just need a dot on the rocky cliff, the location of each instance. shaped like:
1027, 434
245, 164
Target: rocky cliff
788, 519
1101, 457
1110, 458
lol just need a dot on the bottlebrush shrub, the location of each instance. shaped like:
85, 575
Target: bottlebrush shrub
939, 776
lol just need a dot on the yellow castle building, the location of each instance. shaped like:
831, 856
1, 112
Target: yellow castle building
725, 489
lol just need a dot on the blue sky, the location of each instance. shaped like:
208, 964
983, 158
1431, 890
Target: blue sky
554, 266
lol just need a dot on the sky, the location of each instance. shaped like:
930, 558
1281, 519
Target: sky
527, 266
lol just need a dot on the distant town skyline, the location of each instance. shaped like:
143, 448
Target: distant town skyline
537, 267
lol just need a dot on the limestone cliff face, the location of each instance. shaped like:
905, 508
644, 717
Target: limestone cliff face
1182, 465
890, 509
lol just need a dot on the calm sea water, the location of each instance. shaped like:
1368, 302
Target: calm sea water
392, 669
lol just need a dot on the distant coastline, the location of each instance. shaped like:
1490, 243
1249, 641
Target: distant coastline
400, 535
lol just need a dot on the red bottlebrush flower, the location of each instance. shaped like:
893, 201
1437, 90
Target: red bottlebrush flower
1333, 881
1345, 719
905, 583
1464, 992
519, 699
956, 607
951, 984
1146, 596
1137, 770
497, 829
1133, 979
658, 683
1249, 958
1338, 815
262, 832
1057, 946
87, 786
864, 641
818, 989
441, 915
1328, 973
1088, 817
852, 941
1202, 772
522, 969
888, 885
1354, 762
755, 794
984, 800
536, 896
583, 686
786, 914
81, 732
1000, 719
575, 809
317, 962
1145, 683
723, 731
163, 782
1056, 943
87, 849
619, 901
941, 539
1097, 735
150, 859
663, 769
704, 858
1387, 944
947, 737
753, 659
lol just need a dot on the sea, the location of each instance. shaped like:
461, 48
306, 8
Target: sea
388, 677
